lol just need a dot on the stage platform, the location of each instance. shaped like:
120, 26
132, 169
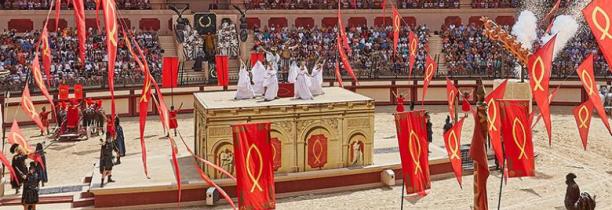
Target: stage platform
132, 188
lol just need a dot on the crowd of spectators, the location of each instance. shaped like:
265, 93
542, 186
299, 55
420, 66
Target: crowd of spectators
344, 4
16, 53
370, 53
89, 4
467, 51
574, 53
495, 3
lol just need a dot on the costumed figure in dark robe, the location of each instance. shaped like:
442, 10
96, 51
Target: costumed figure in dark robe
19, 165
572, 192
106, 160
44, 119
119, 139
29, 198
41, 169
448, 125
429, 128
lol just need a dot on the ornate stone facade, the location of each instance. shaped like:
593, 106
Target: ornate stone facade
333, 131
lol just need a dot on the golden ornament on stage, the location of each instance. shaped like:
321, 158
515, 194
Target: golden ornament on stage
496, 33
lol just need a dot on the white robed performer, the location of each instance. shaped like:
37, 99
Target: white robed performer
270, 83
317, 80
294, 70
259, 74
301, 86
245, 89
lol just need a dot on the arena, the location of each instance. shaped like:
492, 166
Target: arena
335, 88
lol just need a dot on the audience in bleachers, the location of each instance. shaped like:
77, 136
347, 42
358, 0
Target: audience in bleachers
16, 52
89, 4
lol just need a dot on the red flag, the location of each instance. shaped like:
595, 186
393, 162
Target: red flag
46, 53
38, 79
16, 137
79, 19
255, 56
396, 28
585, 72
413, 145
539, 65
8, 165
550, 99
583, 114
452, 142
597, 14
170, 71
494, 119
64, 90
517, 136
98, 2
253, 158
338, 75
28, 107
414, 44
221, 65
343, 39
176, 167
430, 69
58, 7
345, 62
478, 154
451, 94
110, 21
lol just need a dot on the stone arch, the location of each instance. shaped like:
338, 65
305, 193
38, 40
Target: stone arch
276, 141
316, 156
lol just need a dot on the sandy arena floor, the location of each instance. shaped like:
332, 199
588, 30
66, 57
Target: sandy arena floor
68, 163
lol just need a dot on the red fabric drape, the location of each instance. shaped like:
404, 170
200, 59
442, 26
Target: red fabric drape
478, 154
539, 65
78, 91
451, 95
221, 66
38, 79
414, 44
517, 135
413, 146
585, 72
256, 57
338, 75
452, 142
28, 107
16, 137
79, 18
582, 115
110, 21
64, 90
170, 72
397, 21
430, 70
58, 7
253, 158
494, 119
46, 53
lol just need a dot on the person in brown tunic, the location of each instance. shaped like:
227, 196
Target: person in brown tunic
572, 193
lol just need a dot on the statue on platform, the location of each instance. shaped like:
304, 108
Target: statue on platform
226, 159
182, 27
357, 153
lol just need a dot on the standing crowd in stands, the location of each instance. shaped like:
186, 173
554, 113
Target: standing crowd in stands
16, 53
89, 4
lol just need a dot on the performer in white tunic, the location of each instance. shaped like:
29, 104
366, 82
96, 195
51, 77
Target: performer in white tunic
271, 84
300, 87
293, 72
317, 80
259, 74
245, 89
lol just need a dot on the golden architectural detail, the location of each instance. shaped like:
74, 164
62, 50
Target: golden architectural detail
508, 41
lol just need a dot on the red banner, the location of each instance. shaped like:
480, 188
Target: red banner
343, 39
222, 68
478, 153
79, 19
396, 28
38, 79
345, 62
451, 94
64, 90
253, 158
170, 71
256, 57
414, 44
58, 8
338, 75
8, 165
452, 142
110, 21
583, 114
413, 146
597, 15
430, 69
539, 65
585, 72
494, 119
317, 151
277, 153
16, 137
98, 3
46, 53
78, 91
517, 137
28, 107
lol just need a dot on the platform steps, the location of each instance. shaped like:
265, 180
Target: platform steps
435, 49
169, 45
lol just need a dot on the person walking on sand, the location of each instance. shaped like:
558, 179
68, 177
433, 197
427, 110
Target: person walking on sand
106, 160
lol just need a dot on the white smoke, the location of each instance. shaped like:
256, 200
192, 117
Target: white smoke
565, 26
525, 29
